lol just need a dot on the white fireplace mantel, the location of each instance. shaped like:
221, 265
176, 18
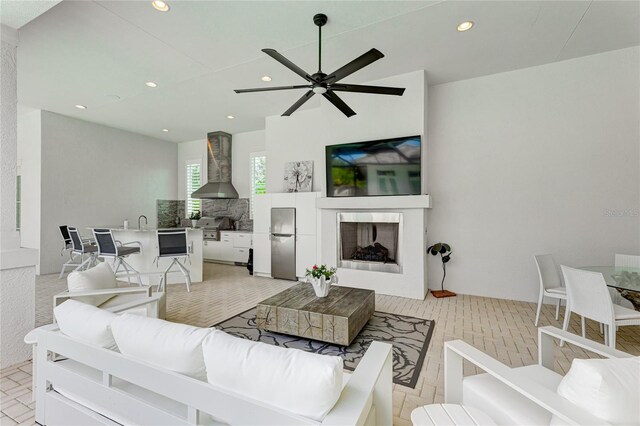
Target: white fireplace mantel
389, 202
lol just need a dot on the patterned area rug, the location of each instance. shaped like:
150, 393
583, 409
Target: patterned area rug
409, 336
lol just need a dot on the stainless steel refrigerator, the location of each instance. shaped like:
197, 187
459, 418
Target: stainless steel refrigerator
283, 243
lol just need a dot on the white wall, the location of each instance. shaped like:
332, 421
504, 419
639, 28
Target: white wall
243, 144
17, 265
93, 175
29, 164
544, 159
304, 135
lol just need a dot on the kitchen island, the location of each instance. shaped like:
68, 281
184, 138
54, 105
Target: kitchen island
144, 262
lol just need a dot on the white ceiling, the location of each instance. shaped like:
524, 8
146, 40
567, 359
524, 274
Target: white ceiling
15, 13
100, 53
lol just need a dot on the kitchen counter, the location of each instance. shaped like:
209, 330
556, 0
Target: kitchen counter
144, 262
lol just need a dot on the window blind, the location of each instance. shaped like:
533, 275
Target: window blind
258, 176
193, 180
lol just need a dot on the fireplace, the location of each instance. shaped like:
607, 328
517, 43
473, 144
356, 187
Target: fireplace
370, 241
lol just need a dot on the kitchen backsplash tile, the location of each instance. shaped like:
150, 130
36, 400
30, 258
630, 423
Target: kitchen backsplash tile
238, 209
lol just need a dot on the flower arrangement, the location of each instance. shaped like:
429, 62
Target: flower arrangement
321, 277
320, 271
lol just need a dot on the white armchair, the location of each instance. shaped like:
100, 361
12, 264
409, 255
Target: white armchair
126, 299
522, 395
98, 287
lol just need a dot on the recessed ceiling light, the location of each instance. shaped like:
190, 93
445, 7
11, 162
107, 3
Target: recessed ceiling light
151, 84
265, 78
165, 130
160, 5
230, 117
81, 106
465, 26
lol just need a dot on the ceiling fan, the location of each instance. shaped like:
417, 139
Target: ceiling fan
327, 85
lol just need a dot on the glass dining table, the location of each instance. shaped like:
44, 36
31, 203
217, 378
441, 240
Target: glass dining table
624, 279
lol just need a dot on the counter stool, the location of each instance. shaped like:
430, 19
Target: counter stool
108, 246
67, 246
81, 247
173, 244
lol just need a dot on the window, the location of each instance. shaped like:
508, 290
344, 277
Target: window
193, 169
258, 176
18, 201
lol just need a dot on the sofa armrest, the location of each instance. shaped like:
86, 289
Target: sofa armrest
151, 303
546, 346
457, 351
369, 388
61, 297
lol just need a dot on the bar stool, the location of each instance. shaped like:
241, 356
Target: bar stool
81, 247
108, 246
67, 246
172, 244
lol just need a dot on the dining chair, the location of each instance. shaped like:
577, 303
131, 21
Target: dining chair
627, 260
550, 283
588, 296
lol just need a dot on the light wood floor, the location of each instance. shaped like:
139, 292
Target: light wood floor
502, 328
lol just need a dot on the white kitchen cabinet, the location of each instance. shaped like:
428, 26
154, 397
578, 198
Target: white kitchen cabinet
306, 217
242, 240
284, 199
261, 254
305, 253
218, 250
262, 213
240, 255
232, 247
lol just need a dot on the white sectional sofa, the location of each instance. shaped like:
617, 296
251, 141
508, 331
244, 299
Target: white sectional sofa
593, 392
96, 367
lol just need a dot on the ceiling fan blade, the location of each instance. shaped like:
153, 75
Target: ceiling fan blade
355, 65
339, 103
298, 103
378, 90
287, 63
268, 89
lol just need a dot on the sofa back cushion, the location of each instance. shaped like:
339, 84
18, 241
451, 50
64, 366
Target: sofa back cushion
606, 388
86, 323
99, 277
176, 347
293, 380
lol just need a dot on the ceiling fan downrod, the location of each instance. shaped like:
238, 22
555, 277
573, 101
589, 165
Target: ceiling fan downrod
320, 20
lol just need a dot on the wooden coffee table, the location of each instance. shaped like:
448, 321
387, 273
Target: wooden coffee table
337, 318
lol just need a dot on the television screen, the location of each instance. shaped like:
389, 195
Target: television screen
384, 167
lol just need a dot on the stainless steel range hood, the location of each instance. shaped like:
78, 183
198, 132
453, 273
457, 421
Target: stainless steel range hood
218, 168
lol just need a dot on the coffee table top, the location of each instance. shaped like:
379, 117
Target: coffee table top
341, 301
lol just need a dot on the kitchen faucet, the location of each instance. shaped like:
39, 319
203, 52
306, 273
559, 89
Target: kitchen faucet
146, 222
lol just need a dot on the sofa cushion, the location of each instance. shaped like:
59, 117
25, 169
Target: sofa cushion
176, 347
606, 388
99, 277
86, 323
504, 405
299, 382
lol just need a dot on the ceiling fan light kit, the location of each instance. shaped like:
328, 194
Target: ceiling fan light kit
326, 85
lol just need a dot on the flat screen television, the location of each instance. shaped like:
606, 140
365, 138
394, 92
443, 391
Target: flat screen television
374, 168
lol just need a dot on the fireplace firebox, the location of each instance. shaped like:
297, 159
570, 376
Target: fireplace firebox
370, 241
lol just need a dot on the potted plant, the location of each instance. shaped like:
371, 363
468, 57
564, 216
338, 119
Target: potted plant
444, 250
195, 216
321, 277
